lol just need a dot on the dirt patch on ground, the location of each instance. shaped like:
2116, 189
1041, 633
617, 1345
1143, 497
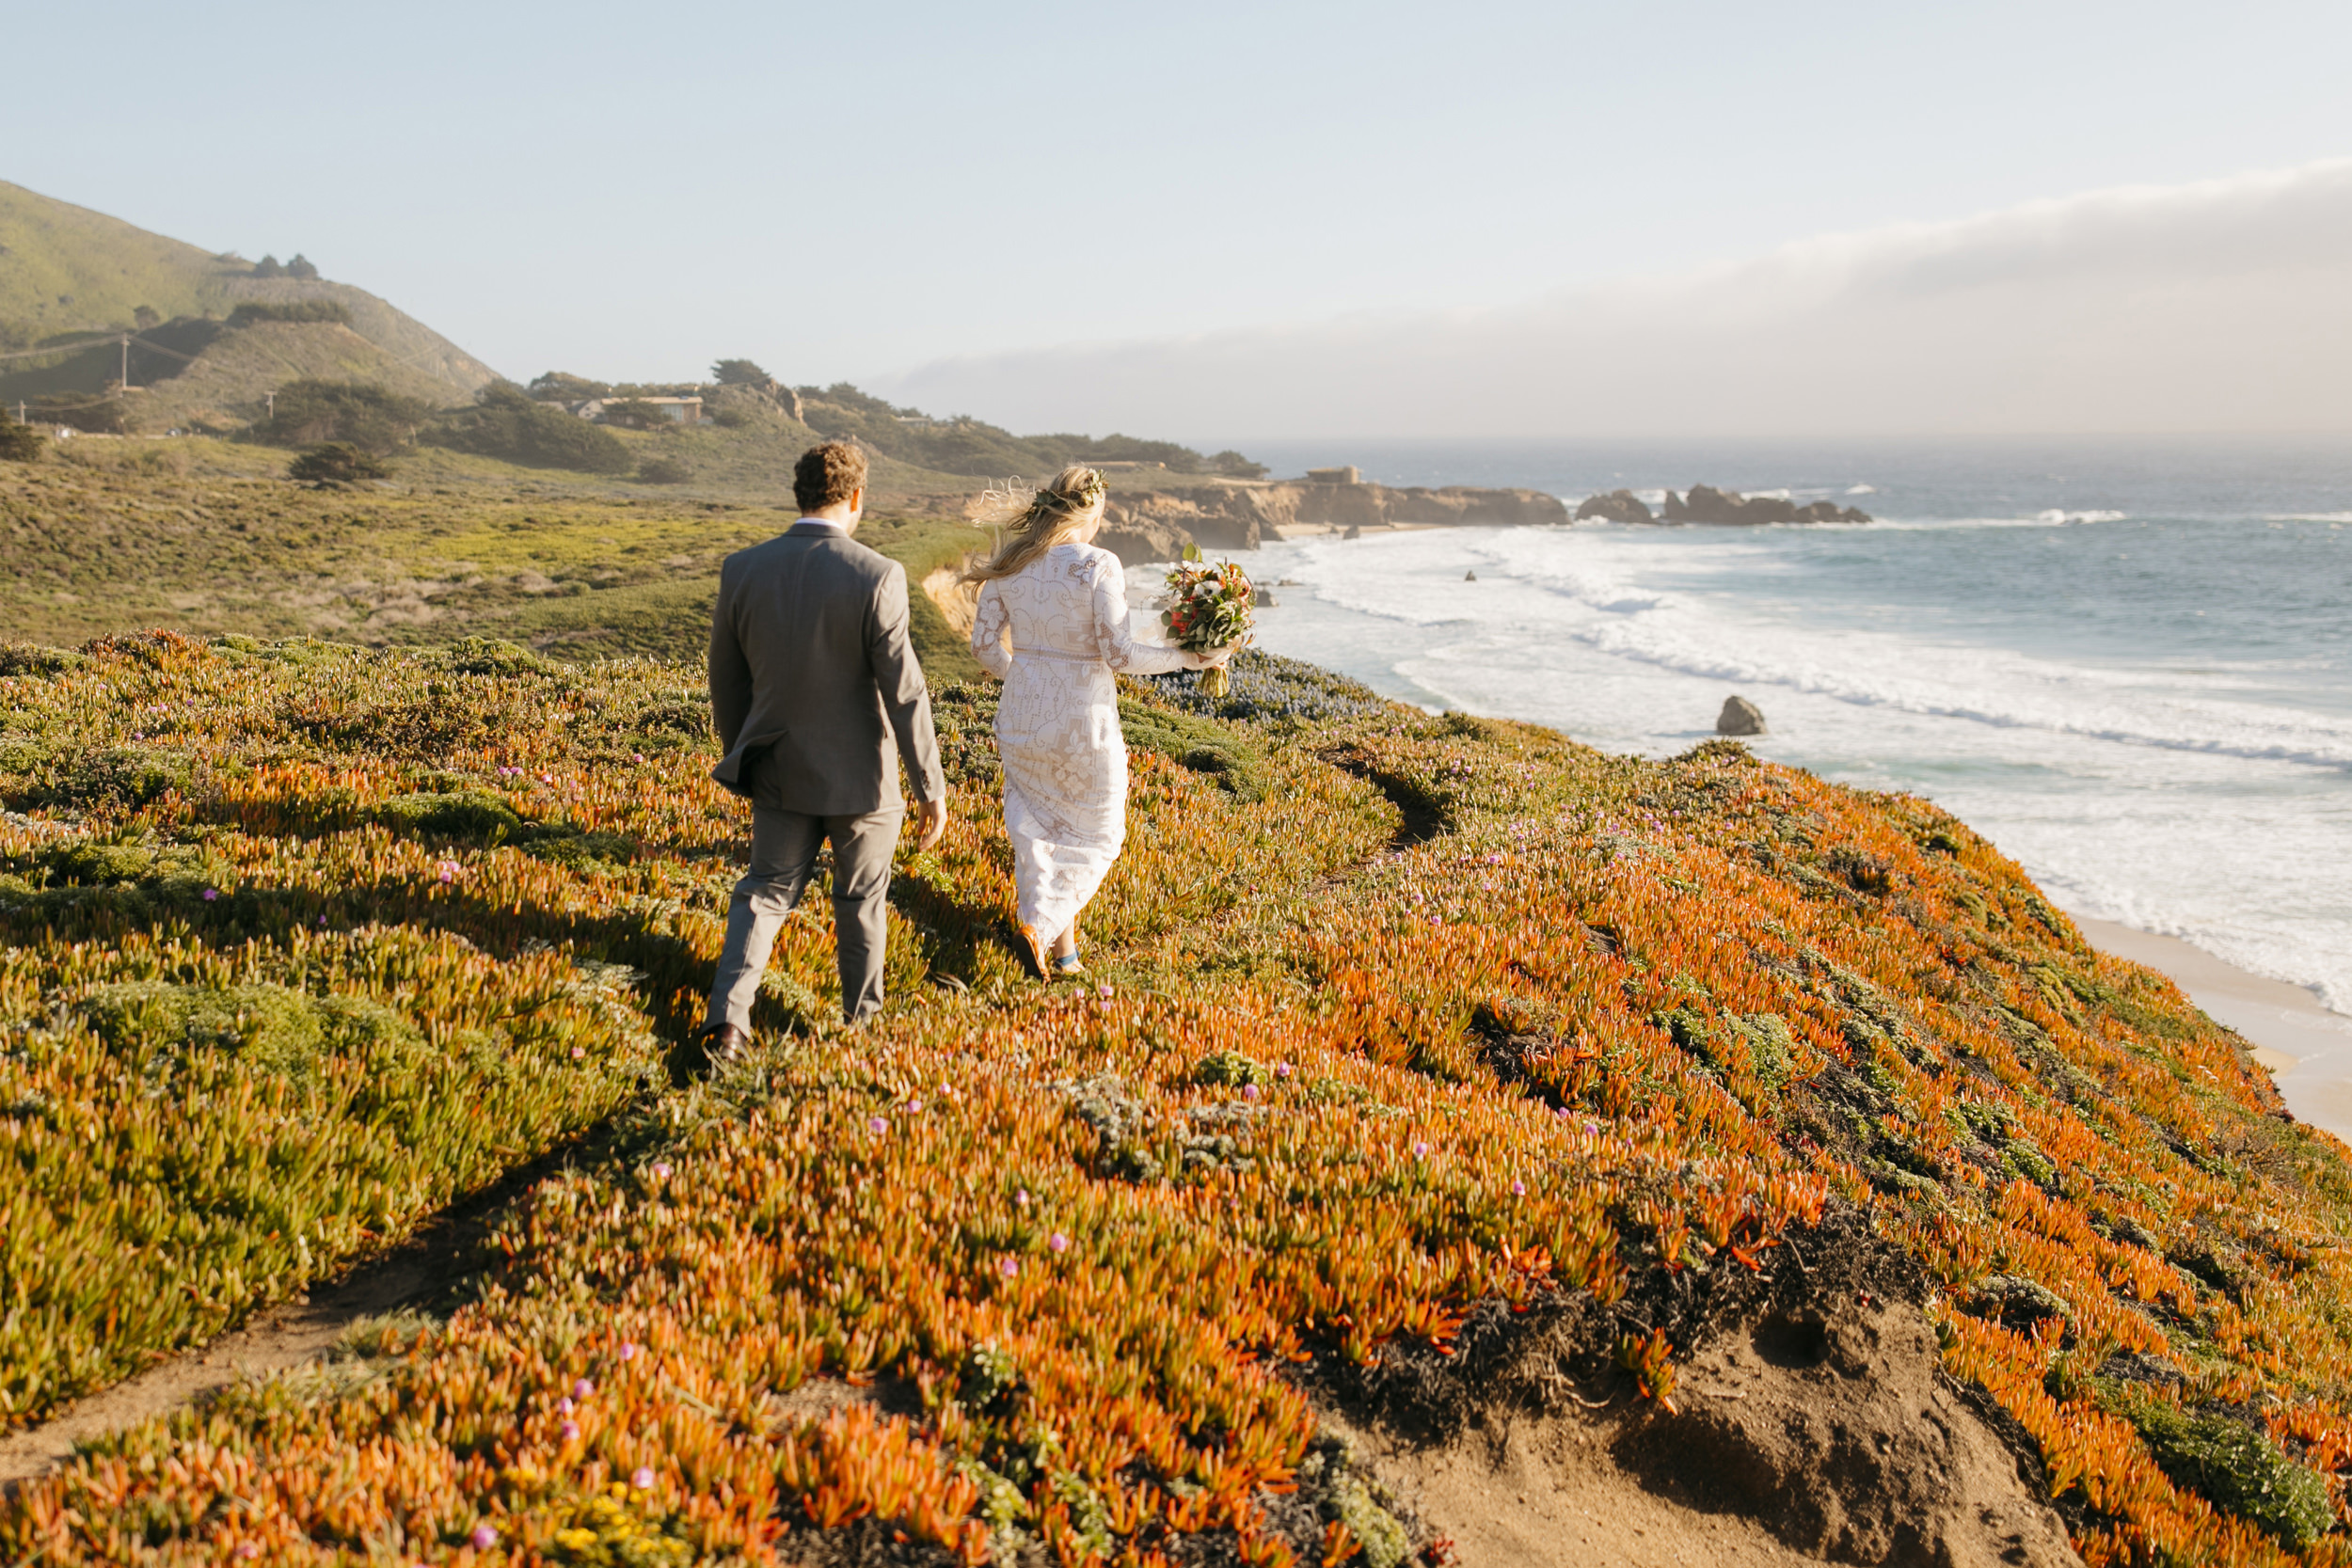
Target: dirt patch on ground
1542, 1491
1812, 1421
1840, 1434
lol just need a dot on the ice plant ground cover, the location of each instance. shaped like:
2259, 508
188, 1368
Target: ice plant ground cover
1400, 1024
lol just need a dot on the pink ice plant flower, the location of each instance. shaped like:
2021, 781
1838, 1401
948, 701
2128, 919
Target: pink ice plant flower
642, 1478
1009, 1266
484, 1537
569, 1431
1420, 1147
1059, 1242
878, 1124
1249, 1091
582, 1389
628, 1350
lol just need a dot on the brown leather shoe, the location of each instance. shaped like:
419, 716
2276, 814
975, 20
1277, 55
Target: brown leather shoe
723, 1043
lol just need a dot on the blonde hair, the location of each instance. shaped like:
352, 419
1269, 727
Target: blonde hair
1030, 522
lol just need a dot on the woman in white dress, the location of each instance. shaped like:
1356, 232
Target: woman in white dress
1052, 624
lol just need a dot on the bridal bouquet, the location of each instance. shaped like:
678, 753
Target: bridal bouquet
1209, 607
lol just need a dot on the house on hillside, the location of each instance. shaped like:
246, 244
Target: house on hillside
1349, 475
682, 410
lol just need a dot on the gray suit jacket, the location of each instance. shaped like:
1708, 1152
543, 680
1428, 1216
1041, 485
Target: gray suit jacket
812, 677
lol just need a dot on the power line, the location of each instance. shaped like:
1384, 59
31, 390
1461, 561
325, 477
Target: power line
59, 348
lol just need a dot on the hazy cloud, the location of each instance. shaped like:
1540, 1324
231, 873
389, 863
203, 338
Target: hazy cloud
2220, 306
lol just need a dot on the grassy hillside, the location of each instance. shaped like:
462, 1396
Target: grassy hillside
208, 375
1431, 1066
66, 267
210, 537
67, 272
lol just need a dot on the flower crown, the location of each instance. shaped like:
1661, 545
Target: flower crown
1090, 489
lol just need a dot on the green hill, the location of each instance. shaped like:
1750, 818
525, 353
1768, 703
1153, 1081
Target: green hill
76, 279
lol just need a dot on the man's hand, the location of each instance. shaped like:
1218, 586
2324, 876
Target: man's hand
930, 822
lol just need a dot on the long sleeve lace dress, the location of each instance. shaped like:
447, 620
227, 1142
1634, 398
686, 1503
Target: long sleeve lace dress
1065, 616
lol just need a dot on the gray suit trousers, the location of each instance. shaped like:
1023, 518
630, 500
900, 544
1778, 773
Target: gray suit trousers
783, 849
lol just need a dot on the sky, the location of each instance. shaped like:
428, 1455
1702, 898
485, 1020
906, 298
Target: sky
1382, 218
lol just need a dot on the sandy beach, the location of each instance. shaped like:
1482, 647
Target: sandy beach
2306, 1048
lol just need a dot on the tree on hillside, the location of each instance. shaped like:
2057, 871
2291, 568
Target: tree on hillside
1233, 464
302, 268
146, 316
336, 463
356, 413
740, 373
564, 387
268, 267
506, 422
18, 443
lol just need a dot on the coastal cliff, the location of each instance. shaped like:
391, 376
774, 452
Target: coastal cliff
1240, 514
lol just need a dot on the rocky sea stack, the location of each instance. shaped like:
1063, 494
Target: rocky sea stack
1704, 503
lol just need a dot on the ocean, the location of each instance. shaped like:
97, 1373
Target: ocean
2128, 663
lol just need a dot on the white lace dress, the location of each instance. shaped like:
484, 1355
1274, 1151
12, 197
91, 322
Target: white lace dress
1065, 616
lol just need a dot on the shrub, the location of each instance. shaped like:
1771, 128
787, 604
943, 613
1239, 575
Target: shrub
1266, 688
20, 443
299, 311
302, 268
467, 817
2239, 1469
1233, 464
662, 471
31, 659
355, 413
336, 462
123, 776
507, 424
564, 387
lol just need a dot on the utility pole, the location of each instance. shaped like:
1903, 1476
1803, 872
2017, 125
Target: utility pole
126, 361
272, 398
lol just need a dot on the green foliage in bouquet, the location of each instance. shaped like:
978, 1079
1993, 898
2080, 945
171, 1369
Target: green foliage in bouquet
1209, 607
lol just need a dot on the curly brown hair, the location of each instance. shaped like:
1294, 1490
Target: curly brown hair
827, 474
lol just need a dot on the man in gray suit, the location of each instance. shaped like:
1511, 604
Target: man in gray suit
811, 681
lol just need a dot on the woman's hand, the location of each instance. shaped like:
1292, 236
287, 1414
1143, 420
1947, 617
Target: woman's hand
1193, 659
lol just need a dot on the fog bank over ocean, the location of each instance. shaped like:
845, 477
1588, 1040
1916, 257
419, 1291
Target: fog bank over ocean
2215, 306
2127, 662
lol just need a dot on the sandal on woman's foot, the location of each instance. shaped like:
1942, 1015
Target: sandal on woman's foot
1039, 964
1069, 965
